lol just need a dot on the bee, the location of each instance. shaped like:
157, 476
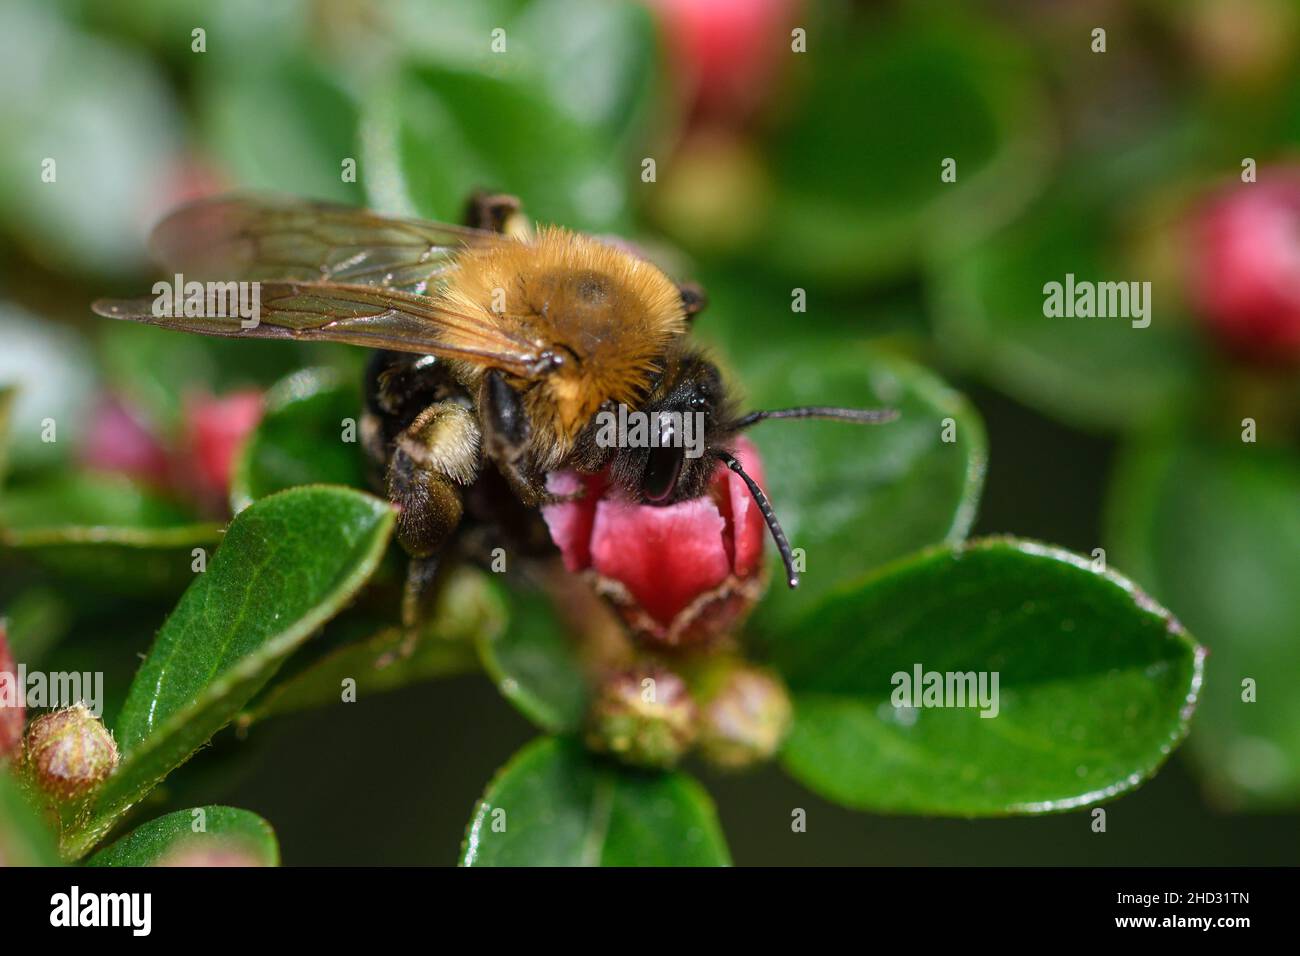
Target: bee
497, 346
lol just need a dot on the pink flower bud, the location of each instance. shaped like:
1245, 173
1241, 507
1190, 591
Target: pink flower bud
681, 574
119, 441
12, 700
745, 719
69, 753
215, 430
1245, 267
644, 717
727, 52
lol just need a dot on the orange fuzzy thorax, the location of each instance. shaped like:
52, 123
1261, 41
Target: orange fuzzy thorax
609, 314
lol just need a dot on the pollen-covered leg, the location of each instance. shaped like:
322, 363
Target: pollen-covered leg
433, 460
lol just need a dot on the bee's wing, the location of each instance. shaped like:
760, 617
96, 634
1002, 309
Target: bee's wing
354, 314
264, 238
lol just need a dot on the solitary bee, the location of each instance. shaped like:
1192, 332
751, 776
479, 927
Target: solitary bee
498, 346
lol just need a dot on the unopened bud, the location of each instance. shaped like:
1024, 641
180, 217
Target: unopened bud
12, 701
69, 753
744, 721
643, 717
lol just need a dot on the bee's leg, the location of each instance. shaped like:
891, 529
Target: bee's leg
506, 432
419, 594
434, 459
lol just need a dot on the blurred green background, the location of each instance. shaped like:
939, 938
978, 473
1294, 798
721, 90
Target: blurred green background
781, 160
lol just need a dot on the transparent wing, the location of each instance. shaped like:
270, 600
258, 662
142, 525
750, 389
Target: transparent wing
265, 238
363, 315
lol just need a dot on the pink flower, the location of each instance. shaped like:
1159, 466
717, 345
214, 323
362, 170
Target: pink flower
726, 52
119, 441
1245, 267
13, 700
215, 430
680, 574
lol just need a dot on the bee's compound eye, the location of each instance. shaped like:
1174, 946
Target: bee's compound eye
661, 472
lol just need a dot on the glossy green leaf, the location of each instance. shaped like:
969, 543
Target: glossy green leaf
535, 664
1095, 684
103, 530
554, 804
25, 840
226, 832
386, 657
287, 565
309, 434
1214, 530
856, 496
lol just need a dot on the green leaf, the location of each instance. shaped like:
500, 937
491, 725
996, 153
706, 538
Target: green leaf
104, 531
592, 60
224, 830
853, 199
440, 133
603, 73
1089, 372
1096, 684
535, 664
287, 565
301, 438
1212, 528
25, 840
282, 124
553, 120
554, 804
386, 657
38, 618
856, 496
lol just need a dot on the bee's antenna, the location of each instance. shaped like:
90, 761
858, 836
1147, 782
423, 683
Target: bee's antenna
861, 416
765, 507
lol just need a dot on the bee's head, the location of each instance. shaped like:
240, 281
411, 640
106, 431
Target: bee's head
668, 450
665, 450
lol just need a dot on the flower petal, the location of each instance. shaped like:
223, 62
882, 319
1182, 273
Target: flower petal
665, 557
